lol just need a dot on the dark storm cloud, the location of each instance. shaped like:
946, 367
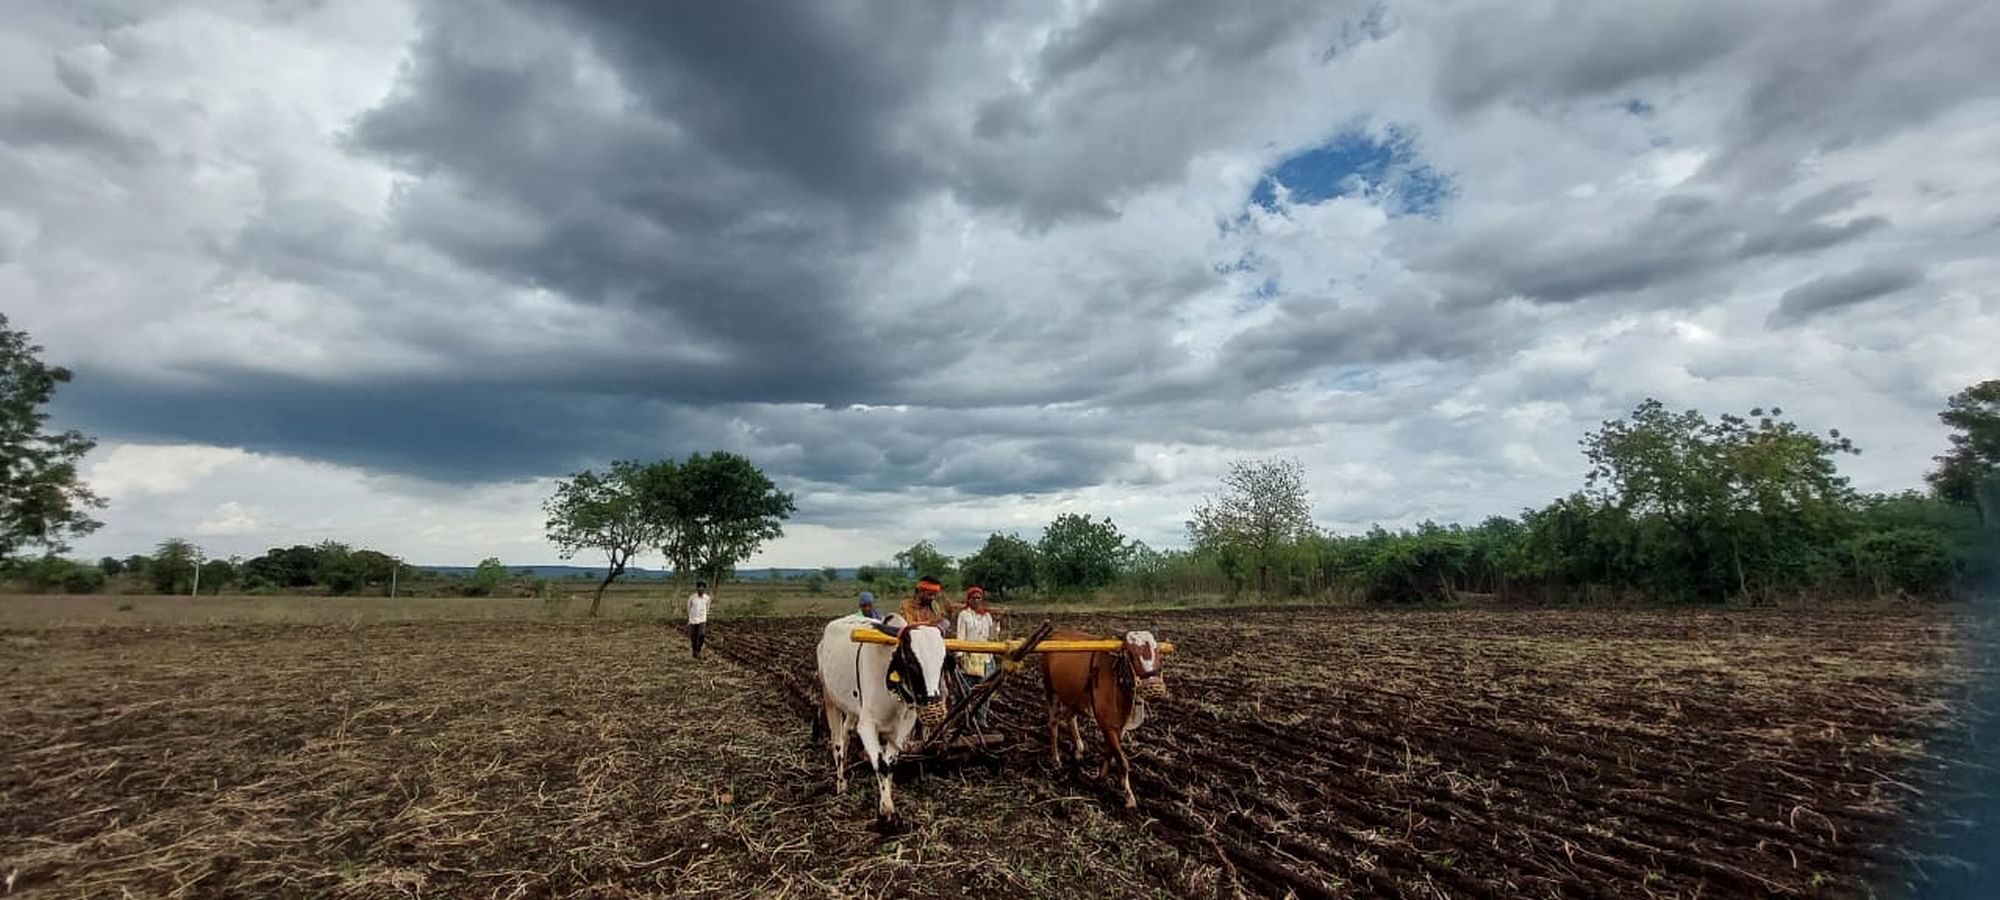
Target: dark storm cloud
452, 433
527, 168
1317, 332
1552, 53
814, 94
69, 125
1856, 72
1104, 111
1680, 237
465, 431
1832, 292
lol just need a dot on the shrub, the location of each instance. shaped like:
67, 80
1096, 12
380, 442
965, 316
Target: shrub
54, 574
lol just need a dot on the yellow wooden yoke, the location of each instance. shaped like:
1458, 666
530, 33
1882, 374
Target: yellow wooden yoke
871, 636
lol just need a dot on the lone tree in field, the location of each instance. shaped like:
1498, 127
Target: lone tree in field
619, 513
1970, 471
488, 577
41, 502
718, 509
1264, 508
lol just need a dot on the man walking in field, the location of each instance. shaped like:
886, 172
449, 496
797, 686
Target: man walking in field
697, 617
868, 607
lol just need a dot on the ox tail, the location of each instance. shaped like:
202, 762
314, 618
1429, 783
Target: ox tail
821, 731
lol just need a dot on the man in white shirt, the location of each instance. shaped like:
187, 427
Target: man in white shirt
697, 617
975, 623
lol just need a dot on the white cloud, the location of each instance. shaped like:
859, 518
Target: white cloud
123, 472
229, 519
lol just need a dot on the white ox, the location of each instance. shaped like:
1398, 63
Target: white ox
858, 695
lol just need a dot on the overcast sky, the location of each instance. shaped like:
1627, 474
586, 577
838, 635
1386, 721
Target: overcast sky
378, 271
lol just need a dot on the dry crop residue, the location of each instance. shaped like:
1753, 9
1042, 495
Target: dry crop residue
1586, 753
1496, 754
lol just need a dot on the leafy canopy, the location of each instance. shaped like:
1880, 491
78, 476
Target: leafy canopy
1079, 553
1004, 565
620, 513
1967, 472
923, 560
1264, 508
42, 504
719, 508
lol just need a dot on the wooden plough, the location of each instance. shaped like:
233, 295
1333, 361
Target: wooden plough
938, 743
867, 636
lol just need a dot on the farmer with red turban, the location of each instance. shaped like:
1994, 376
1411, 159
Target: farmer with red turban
922, 607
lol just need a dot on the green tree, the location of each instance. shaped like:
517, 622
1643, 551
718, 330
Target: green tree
291, 567
620, 514
1145, 571
1264, 508
172, 567
217, 574
487, 578
719, 508
1079, 553
1005, 564
375, 568
111, 565
1969, 472
338, 569
922, 559
53, 574
42, 504
1727, 506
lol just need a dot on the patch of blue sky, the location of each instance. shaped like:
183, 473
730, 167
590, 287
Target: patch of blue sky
1351, 378
1384, 167
1259, 295
1248, 262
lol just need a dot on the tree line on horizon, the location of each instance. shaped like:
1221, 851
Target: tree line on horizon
1675, 506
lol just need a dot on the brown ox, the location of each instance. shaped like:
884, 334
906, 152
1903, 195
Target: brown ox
1111, 686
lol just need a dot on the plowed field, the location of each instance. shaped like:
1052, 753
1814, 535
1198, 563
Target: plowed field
1484, 754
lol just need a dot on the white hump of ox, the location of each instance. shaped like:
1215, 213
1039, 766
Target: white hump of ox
858, 696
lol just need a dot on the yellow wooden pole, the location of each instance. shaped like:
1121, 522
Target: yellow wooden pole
871, 636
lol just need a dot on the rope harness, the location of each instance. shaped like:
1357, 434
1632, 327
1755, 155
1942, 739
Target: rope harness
904, 673
1121, 669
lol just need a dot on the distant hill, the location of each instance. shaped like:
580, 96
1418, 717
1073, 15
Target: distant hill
559, 573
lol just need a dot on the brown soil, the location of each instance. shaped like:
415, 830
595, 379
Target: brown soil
1311, 753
